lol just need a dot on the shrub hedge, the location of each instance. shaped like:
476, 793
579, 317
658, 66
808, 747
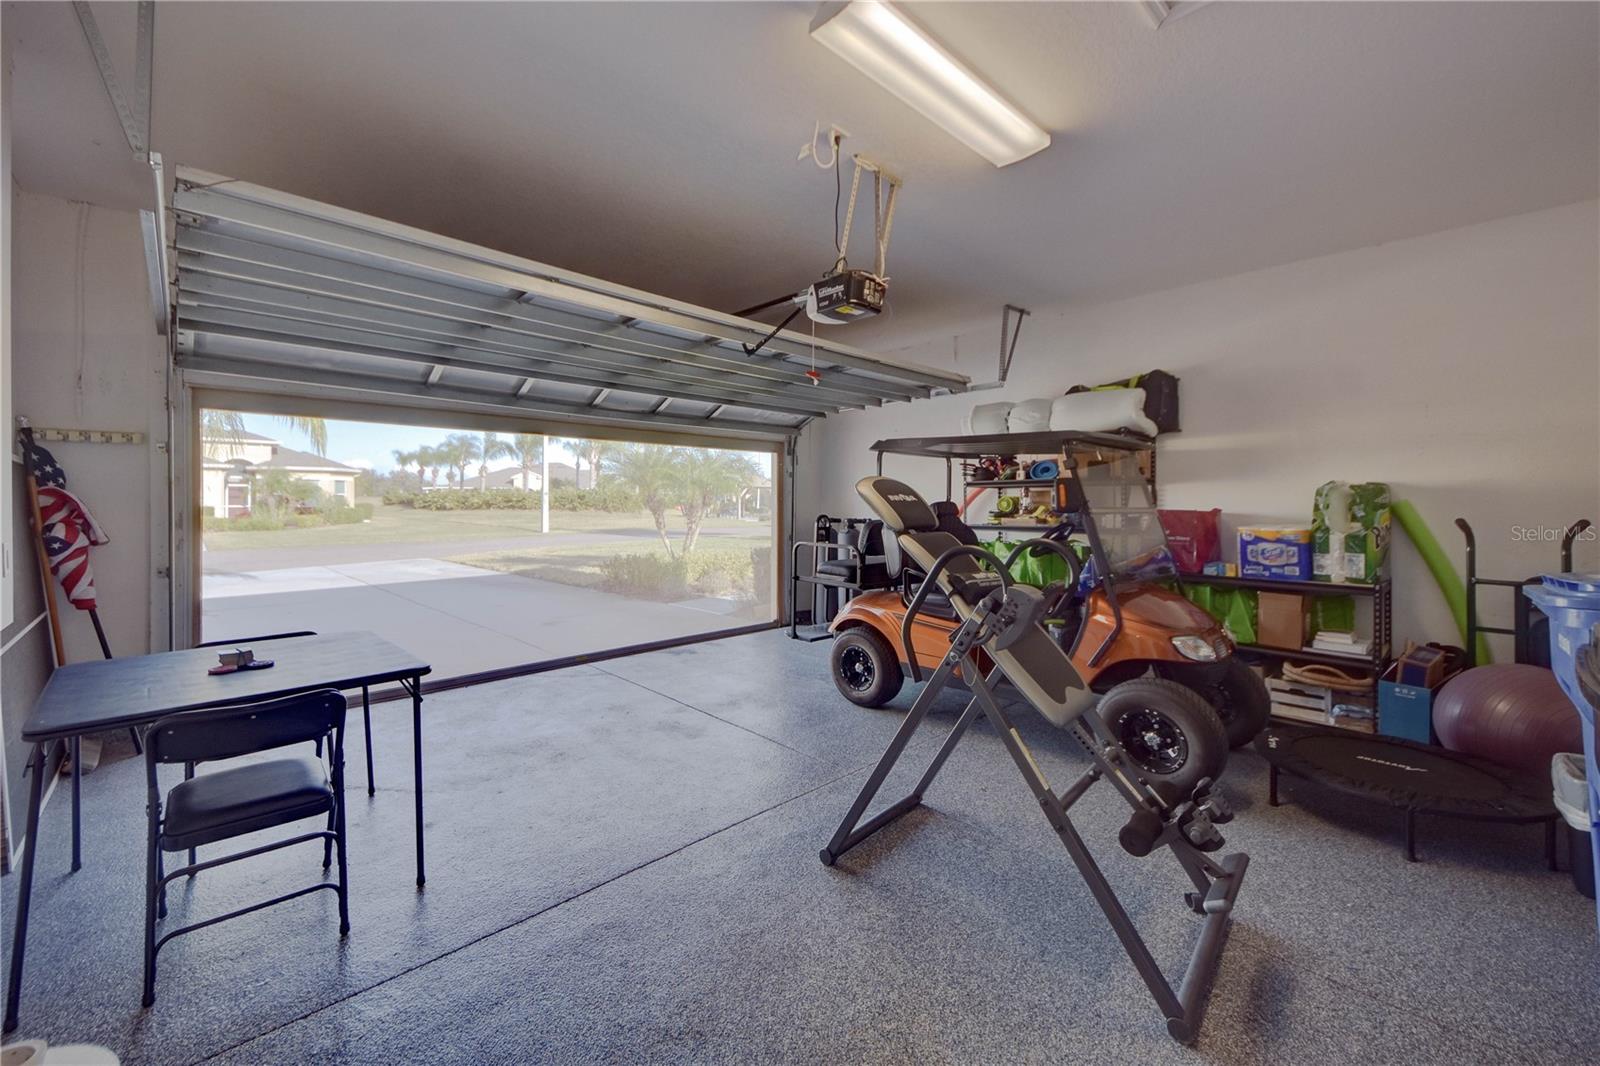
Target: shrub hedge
615, 498
335, 513
649, 575
704, 572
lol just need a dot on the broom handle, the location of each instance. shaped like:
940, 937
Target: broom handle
44, 570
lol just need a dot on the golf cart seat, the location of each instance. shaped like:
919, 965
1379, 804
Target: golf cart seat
948, 515
870, 567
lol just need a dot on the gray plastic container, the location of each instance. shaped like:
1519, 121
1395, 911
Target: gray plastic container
1571, 797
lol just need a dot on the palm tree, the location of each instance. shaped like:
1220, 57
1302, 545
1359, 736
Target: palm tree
593, 451
654, 472
708, 475
577, 448
528, 450
427, 458
489, 447
228, 426
457, 452
403, 460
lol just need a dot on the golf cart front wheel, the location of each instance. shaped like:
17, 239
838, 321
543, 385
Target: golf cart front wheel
1171, 734
865, 669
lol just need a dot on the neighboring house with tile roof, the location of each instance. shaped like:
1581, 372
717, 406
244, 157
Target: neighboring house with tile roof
232, 462
511, 477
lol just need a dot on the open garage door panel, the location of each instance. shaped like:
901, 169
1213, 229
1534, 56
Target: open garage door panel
283, 294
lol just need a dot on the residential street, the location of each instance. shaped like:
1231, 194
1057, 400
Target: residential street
253, 559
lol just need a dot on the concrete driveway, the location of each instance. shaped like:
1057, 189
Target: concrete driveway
462, 619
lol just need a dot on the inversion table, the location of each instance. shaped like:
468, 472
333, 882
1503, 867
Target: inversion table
1000, 621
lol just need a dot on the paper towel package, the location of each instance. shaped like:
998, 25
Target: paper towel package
1101, 412
1029, 416
987, 418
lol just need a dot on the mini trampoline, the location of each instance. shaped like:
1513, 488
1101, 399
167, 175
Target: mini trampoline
1414, 777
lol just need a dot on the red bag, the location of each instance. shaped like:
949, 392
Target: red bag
1194, 536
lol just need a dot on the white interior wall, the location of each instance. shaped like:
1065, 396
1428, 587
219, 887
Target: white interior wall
7, 554
1463, 368
86, 356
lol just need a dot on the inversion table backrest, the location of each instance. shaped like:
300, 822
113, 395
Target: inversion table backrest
1035, 664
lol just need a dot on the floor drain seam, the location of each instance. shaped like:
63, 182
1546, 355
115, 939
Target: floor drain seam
523, 920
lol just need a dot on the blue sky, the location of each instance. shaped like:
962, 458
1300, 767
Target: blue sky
369, 444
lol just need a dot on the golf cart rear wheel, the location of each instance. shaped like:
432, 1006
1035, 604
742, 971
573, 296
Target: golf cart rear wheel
1241, 700
1236, 692
1170, 733
865, 669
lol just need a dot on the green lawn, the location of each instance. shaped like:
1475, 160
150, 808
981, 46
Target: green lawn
394, 524
581, 564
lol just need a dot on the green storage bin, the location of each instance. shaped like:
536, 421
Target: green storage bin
1234, 608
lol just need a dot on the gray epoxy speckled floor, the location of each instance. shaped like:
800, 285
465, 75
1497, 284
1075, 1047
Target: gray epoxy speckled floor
623, 869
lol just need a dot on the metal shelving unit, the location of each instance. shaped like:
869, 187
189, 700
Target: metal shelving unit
1087, 449
1380, 592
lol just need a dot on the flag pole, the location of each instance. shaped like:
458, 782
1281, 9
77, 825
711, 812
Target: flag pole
25, 434
100, 631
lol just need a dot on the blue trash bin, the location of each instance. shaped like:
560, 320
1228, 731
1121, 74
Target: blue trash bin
1572, 603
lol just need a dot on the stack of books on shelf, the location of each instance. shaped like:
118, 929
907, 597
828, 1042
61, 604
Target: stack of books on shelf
1341, 644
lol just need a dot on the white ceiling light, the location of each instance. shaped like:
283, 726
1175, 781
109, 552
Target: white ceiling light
881, 43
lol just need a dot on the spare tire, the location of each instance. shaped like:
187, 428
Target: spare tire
1170, 733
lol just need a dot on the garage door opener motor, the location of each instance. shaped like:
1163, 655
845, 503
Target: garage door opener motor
848, 294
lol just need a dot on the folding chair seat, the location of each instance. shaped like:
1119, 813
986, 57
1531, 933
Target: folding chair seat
246, 798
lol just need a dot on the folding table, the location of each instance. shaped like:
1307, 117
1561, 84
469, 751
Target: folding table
108, 694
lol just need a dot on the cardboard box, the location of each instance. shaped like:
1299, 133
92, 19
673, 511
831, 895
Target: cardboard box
1422, 666
1406, 711
1275, 552
1281, 620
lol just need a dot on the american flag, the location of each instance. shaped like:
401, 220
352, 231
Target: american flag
66, 526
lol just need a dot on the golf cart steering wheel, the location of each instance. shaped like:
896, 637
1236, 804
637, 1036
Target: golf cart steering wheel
1042, 545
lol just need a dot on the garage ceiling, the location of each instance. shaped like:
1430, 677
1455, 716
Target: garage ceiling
655, 144
282, 292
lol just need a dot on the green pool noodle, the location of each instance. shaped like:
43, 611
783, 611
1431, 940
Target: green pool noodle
1439, 565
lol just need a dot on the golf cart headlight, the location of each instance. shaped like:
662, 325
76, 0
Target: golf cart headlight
1197, 648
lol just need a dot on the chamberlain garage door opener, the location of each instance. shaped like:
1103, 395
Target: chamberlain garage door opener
846, 294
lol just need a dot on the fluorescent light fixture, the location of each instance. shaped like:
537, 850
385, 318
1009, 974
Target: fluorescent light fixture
881, 43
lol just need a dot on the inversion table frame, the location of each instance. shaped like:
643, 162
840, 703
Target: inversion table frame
1216, 884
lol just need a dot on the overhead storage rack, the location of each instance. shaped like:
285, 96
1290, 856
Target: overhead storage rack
283, 294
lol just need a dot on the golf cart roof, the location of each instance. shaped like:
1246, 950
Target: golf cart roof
1043, 443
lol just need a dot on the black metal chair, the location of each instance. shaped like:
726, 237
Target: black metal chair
242, 799
366, 702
